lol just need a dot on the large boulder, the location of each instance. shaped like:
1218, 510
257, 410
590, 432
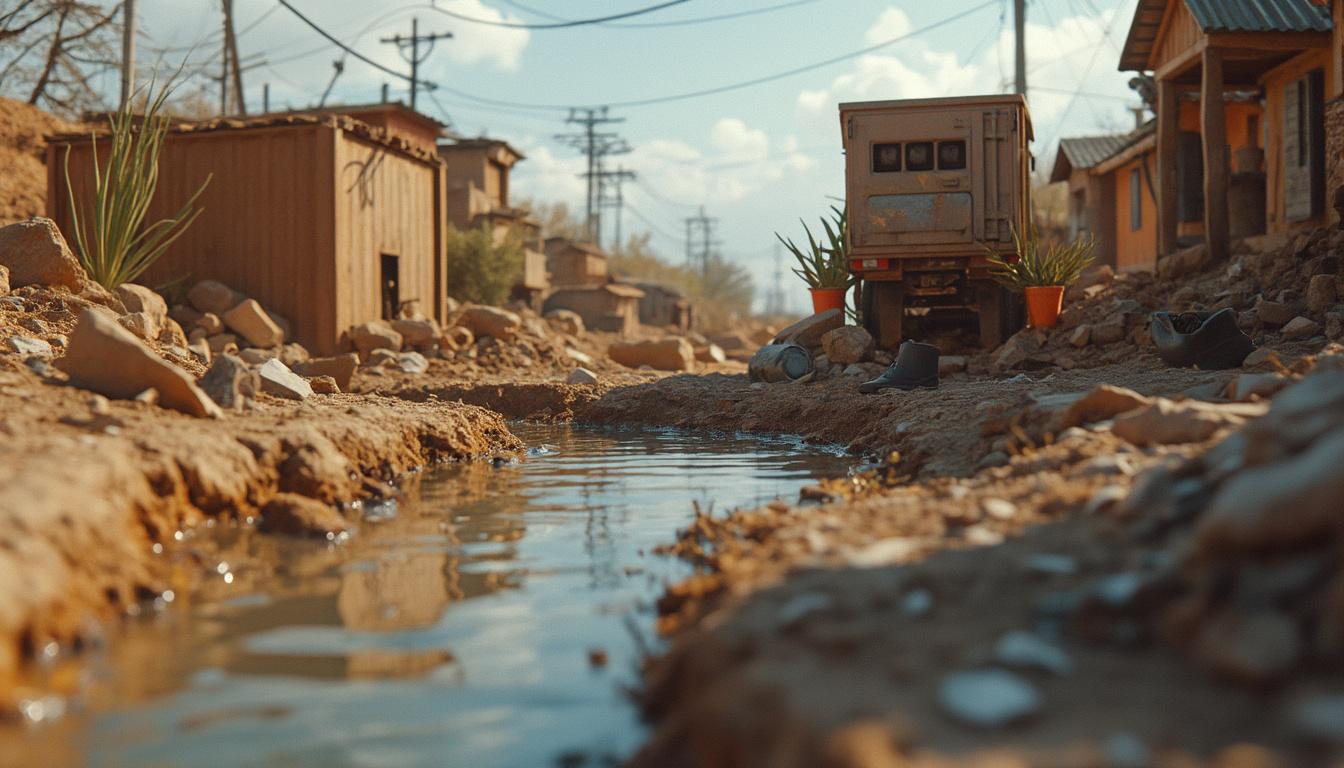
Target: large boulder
37, 254
847, 344
374, 335
213, 296
808, 331
671, 354
250, 321
489, 321
415, 333
340, 368
104, 357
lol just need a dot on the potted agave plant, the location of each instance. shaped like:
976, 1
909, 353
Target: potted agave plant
1041, 272
824, 264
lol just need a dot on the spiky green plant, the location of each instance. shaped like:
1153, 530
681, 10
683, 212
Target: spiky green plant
821, 266
1035, 265
111, 237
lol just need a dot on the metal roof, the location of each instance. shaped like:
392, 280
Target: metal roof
1085, 152
1259, 15
1221, 16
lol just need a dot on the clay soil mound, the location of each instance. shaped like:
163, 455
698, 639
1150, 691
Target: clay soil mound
23, 147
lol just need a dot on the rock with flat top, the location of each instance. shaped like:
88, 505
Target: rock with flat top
1165, 422
251, 322
374, 335
35, 253
710, 353
105, 358
1101, 403
807, 332
254, 356
278, 380
416, 333
1300, 328
339, 367
847, 344
671, 354
213, 296
138, 298
489, 321
381, 358
27, 346
229, 382
412, 362
1274, 313
581, 376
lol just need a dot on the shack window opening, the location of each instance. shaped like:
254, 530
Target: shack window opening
391, 286
951, 155
919, 156
1135, 201
886, 158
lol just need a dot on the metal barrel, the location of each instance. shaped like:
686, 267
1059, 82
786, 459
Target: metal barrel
779, 362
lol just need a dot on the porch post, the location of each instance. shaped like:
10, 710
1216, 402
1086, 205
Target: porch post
1168, 134
1213, 125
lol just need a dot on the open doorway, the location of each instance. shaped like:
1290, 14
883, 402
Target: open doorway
390, 285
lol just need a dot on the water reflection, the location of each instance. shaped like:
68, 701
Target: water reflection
453, 629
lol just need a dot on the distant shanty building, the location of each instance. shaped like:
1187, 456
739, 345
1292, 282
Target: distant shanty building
477, 180
1202, 51
662, 306
572, 263
327, 220
611, 307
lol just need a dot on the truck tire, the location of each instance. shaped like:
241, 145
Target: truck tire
884, 312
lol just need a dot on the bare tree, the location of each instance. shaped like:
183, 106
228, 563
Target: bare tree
52, 49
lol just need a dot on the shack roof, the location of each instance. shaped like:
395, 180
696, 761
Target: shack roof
564, 242
1256, 16
970, 102
336, 120
1084, 152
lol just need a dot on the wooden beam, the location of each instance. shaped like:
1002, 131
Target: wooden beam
1269, 41
1184, 62
1168, 135
1213, 127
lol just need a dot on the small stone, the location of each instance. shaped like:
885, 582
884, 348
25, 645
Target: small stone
294, 515
171, 333
213, 296
141, 324
988, 698
341, 368
1100, 404
490, 321
229, 382
855, 370
415, 333
999, 509
293, 354
993, 459
4, 279
1250, 386
1301, 328
200, 350
807, 332
1319, 717
278, 380
847, 344
210, 323
324, 385
1027, 650
1106, 497
917, 603
148, 397
251, 322
1258, 648
26, 346
1108, 331
581, 376
380, 358
412, 362
1081, 336
1273, 313
1168, 423
801, 605
950, 364
138, 298
254, 356
1321, 293
374, 335
566, 321
223, 342
185, 315
710, 353
1259, 356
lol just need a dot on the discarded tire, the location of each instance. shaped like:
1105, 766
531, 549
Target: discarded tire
779, 362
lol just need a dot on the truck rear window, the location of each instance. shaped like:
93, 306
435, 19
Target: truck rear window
951, 155
886, 158
919, 156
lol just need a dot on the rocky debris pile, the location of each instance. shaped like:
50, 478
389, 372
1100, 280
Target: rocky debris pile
1287, 293
217, 320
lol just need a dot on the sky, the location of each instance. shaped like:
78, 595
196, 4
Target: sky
756, 158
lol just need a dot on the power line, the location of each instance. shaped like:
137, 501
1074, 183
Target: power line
558, 24
594, 146
412, 44
703, 226
346, 48
672, 22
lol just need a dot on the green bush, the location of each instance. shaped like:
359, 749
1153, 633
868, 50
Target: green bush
481, 270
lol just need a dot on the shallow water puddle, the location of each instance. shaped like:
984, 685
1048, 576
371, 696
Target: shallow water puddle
492, 617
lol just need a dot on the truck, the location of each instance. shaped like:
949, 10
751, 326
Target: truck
932, 187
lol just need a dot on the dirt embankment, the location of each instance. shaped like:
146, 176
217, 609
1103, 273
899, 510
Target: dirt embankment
91, 488
23, 171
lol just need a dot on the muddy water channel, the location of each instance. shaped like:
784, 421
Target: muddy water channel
493, 616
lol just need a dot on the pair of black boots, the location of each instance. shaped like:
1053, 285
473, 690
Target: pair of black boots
916, 367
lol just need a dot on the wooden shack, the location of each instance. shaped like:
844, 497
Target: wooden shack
324, 219
663, 306
572, 263
1279, 49
476, 175
610, 307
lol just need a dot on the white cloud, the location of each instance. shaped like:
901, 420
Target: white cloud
473, 43
892, 23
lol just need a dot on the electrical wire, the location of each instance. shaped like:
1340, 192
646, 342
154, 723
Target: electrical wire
673, 22
557, 24
347, 48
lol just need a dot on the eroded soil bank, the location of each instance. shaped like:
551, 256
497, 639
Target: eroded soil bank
91, 488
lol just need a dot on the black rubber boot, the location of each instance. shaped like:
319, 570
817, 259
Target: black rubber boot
916, 366
1208, 340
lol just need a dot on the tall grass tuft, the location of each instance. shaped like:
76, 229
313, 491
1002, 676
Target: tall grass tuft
111, 237
1035, 264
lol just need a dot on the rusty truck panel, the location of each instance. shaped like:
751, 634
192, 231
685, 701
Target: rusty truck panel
929, 184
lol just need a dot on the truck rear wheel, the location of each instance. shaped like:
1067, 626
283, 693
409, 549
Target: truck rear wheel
884, 312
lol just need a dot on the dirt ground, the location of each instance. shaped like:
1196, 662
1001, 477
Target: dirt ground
23, 174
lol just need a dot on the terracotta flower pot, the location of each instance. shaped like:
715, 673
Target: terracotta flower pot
827, 298
1043, 304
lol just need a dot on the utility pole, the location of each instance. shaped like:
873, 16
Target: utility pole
127, 50
594, 146
775, 305
415, 58
265, 97
235, 66
224, 69
338, 66
703, 226
617, 177
1020, 32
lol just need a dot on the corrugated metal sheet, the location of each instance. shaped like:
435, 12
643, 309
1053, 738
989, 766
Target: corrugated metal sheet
1088, 151
1259, 15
